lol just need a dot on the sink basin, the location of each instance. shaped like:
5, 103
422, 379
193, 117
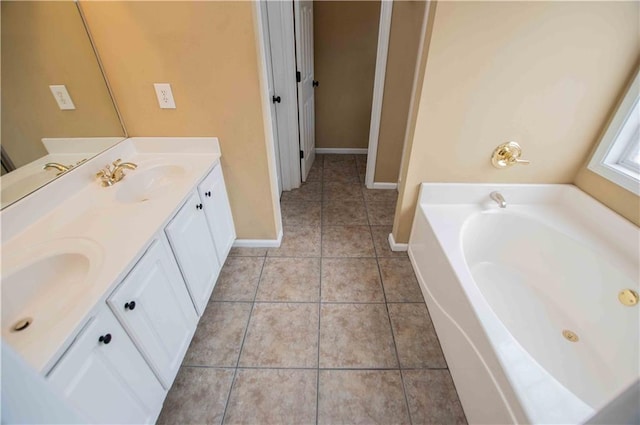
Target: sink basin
146, 184
42, 285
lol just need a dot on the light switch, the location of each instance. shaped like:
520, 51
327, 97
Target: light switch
62, 97
165, 97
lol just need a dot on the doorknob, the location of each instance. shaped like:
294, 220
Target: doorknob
315, 83
276, 99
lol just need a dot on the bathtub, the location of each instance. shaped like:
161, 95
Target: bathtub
507, 290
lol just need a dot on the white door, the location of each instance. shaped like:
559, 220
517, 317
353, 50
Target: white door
105, 378
272, 110
304, 58
153, 305
193, 247
213, 193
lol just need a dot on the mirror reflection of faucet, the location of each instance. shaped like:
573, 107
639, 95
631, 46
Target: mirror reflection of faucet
56, 166
497, 196
115, 172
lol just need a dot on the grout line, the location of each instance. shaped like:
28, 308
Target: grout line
376, 368
322, 204
246, 330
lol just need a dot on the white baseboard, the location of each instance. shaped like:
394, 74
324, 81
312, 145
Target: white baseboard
397, 246
342, 151
258, 243
384, 186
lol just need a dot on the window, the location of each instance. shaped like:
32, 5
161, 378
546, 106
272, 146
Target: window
617, 157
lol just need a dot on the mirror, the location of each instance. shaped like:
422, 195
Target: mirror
56, 105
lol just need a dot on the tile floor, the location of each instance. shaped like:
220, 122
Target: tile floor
329, 328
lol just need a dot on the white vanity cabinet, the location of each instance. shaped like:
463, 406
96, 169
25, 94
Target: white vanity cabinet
154, 307
104, 377
194, 249
213, 194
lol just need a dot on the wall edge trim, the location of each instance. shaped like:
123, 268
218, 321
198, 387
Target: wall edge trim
259, 243
397, 247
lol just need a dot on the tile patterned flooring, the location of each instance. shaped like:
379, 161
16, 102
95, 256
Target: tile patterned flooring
330, 328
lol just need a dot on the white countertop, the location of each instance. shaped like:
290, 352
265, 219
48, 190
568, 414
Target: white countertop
91, 220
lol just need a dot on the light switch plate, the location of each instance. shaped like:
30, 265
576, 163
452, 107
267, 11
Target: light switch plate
165, 96
61, 95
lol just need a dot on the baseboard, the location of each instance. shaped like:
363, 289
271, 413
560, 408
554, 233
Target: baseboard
397, 246
342, 151
384, 186
258, 243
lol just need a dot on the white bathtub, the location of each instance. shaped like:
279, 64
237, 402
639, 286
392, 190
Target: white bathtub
503, 284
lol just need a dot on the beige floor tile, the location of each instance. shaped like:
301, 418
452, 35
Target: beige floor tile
238, 279
416, 340
361, 397
346, 191
432, 397
281, 335
399, 280
341, 213
198, 395
276, 396
218, 338
290, 279
300, 213
356, 336
315, 173
341, 174
381, 242
351, 280
381, 213
380, 195
308, 192
347, 241
331, 159
303, 241
247, 252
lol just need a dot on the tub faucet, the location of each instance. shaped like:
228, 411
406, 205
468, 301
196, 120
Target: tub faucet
497, 196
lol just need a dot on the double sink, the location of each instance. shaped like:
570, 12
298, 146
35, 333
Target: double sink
62, 265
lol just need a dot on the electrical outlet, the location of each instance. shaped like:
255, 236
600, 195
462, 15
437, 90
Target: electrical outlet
61, 95
165, 97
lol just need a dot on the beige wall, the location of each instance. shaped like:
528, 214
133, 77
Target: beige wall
544, 74
45, 43
406, 25
345, 45
625, 203
208, 51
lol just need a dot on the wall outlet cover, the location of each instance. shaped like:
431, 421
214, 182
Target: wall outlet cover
165, 96
61, 95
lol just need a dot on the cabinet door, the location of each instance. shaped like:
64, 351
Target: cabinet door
105, 378
213, 193
193, 247
154, 307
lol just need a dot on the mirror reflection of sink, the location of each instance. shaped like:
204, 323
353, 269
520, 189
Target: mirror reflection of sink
146, 184
41, 285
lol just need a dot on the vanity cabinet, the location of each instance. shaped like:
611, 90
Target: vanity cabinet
193, 246
154, 307
104, 377
213, 194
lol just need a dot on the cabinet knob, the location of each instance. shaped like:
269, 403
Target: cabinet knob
105, 339
208, 194
199, 206
130, 305
276, 99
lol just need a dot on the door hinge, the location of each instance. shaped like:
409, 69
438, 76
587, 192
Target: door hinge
298, 77
301, 154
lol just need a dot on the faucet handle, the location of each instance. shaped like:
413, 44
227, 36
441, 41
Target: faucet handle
117, 162
507, 154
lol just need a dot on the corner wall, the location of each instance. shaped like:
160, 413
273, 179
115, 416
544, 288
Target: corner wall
544, 74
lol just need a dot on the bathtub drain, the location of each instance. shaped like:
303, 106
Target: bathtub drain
571, 336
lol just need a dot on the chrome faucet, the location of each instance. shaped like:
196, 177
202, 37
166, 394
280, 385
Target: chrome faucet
61, 168
497, 196
115, 172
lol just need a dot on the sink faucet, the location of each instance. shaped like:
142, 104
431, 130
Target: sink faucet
497, 196
115, 172
61, 168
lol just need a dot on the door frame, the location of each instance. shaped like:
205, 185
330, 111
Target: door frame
384, 32
283, 66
